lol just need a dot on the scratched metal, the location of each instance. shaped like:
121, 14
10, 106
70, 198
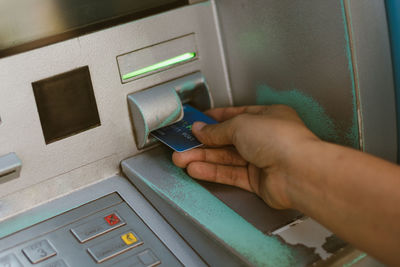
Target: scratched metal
153, 171
297, 52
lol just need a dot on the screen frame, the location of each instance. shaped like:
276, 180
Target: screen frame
69, 33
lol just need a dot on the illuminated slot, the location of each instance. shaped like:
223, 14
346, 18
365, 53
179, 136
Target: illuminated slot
160, 65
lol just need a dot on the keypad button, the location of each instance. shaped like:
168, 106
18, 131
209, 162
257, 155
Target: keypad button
97, 226
148, 258
57, 263
114, 246
39, 251
112, 219
129, 238
143, 259
10, 261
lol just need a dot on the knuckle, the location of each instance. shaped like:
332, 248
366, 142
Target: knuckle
205, 133
237, 126
177, 160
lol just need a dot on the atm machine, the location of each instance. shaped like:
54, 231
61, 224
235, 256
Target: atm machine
83, 84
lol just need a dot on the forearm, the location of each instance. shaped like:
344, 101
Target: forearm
354, 194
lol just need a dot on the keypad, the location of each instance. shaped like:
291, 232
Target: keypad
114, 236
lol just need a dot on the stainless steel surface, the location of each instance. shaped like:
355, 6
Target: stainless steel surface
25, 25
154, 54
148, 258
181, 199
71, 213
295, 53
95, 227
176, 197
144, 259
196, 1
112, 247
152, 109
374, 76
10, 167
161, 105
289, 50
88, 157
39, 251
252, 208
56, 263
10, 261
156, 163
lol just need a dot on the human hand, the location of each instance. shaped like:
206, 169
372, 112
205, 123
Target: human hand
254, 148
269, 151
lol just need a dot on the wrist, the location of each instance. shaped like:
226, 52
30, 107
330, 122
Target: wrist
302, 179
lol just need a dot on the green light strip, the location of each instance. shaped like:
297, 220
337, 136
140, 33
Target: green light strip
160, 65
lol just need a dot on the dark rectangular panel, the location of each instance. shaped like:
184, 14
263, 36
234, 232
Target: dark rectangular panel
66, 104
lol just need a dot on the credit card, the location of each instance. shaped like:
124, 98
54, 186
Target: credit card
178, 136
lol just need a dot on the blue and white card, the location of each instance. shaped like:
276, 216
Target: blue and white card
178, 136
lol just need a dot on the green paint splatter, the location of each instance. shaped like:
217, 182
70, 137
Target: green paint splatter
174, 186
352, 134
354, 261
187, 86
309, 110
210, 212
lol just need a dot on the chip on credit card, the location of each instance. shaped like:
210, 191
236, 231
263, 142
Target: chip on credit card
178, 136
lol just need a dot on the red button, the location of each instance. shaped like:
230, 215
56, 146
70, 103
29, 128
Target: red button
112, 219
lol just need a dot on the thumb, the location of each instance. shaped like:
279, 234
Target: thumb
214, 134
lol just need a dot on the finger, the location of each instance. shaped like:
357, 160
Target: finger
225, 156
214, 134
223, 133
223, 114
230, 175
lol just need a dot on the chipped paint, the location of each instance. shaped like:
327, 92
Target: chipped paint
309, 110
308, 233
206, 209
333, 244
174, 185
330, 130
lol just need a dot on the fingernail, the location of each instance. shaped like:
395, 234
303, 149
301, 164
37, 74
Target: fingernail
198, 125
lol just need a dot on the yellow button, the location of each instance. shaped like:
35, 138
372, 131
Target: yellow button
129, 238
